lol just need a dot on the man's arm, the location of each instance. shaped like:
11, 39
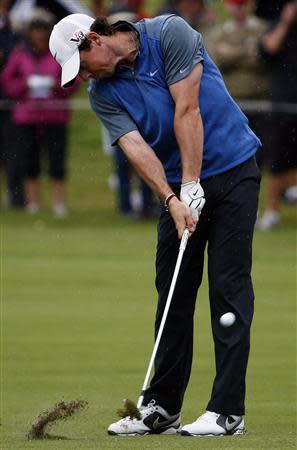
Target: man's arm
183, 53
123, 130
189, 133
149, 167
188, 125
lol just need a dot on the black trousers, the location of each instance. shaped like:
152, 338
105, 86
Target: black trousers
31, 139
226, 226
13, 164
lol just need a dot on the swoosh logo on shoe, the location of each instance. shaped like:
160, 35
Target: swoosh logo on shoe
231, 423
157, 424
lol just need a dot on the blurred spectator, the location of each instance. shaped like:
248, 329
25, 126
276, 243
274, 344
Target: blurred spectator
21, 10
98, 8
280, 46
14, 190
198, 13
235, 47
130, 10
135, 198
32, 78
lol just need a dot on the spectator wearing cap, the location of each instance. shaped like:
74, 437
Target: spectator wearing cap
41, 113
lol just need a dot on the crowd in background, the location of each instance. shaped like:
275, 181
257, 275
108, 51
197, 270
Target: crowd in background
255, 49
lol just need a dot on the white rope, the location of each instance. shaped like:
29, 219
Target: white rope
245, 105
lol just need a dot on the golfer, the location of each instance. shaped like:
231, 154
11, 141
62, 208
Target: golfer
165, 103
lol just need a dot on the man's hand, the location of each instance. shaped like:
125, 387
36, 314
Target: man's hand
182, 216
192, 194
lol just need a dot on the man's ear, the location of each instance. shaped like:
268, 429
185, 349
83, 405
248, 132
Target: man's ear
94, 38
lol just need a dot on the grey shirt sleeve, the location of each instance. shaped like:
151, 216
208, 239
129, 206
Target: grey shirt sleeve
116, 121
182, 48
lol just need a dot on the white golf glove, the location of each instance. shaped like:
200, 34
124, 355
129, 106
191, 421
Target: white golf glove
192, 194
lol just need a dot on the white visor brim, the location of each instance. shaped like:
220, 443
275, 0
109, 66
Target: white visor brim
70, 70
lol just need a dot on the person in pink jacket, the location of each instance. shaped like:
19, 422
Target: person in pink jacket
31, 78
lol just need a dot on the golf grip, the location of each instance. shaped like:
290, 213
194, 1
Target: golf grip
182, 248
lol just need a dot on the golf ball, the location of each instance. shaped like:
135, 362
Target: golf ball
227, 319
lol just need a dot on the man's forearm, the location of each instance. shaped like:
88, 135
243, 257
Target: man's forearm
146, 163
188, 129
149, 167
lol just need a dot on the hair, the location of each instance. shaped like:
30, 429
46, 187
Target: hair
99, 26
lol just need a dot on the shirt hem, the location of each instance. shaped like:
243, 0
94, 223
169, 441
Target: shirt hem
210, 174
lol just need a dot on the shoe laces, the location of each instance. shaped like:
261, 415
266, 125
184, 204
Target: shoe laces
144, 411
126, 420
208, 417
150, 408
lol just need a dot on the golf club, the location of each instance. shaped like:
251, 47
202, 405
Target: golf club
182, 248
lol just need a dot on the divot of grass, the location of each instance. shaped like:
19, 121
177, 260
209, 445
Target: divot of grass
47, 418
129, 410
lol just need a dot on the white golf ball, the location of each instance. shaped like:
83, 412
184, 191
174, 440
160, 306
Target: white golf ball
227, 319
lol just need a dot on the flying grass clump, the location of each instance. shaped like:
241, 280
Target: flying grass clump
129, 409
61, 411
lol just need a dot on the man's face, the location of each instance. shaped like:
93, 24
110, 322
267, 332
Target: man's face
97, 61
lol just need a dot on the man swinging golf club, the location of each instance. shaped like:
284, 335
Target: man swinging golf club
164, 102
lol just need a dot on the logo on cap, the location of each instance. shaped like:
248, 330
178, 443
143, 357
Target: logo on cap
78, 36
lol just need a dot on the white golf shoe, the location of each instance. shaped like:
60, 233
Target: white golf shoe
154, 420
213, 424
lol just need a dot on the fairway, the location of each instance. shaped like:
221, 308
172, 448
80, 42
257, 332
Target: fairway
77, 311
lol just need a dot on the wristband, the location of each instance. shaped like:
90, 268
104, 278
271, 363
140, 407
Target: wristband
167, 200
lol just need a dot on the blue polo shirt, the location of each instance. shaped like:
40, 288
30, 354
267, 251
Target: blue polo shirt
139, 99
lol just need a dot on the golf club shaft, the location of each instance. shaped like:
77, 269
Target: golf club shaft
182, 248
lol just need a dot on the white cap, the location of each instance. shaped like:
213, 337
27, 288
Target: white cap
65, 39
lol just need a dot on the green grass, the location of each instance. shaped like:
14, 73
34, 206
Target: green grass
77, 309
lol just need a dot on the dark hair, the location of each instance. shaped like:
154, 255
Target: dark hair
100, 26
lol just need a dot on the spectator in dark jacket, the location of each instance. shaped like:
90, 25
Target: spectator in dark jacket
280, 46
